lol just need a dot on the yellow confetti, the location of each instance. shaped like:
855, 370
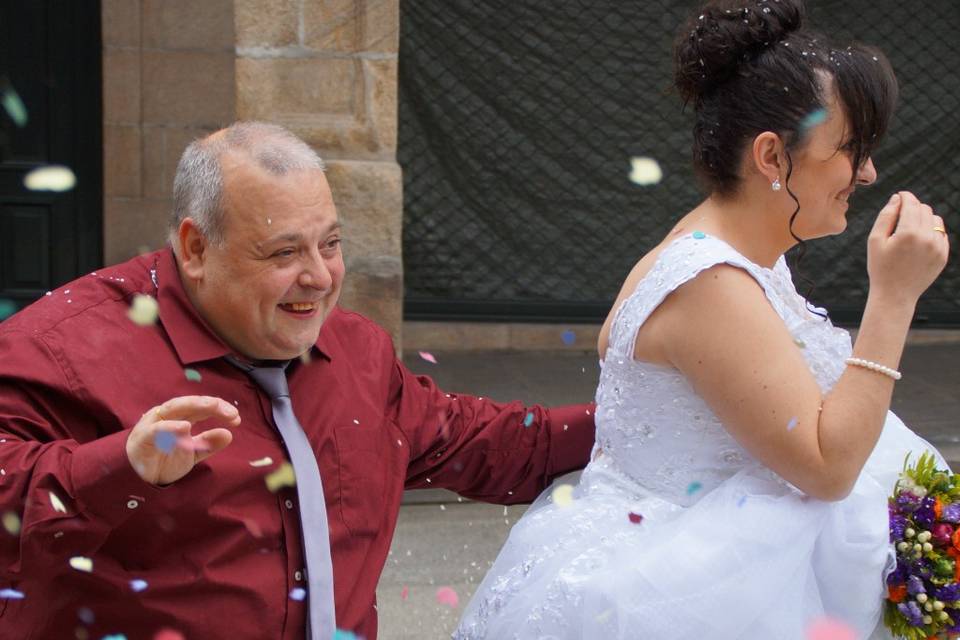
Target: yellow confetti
645, 171
265, 461
282, 477
81, 563
143, 311
563, 495
50, 178
11, 522
57, 503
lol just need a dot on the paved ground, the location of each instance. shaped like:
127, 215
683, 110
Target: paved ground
443, 542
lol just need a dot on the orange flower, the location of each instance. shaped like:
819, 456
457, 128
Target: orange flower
956, 539
937, 508
896, 593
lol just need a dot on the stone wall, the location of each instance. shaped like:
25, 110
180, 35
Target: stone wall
175, 70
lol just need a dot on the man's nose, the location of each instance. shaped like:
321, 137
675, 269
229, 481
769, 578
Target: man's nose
316, 274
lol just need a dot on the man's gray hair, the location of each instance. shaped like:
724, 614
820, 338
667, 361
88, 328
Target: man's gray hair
198, 185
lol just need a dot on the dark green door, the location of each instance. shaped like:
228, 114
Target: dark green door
50, 53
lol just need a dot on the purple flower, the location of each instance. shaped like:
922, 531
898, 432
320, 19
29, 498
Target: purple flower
948, 593
911, 612
951, 513
924, 515
898, 525
899, 575
915, 585
908, 501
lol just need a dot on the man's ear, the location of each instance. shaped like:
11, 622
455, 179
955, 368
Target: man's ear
768, 156
191, 249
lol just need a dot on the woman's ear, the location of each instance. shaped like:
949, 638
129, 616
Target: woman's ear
768, 156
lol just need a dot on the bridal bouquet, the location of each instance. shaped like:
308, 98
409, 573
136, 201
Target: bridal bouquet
923, 592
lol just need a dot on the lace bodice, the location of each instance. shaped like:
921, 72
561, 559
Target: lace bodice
651, 426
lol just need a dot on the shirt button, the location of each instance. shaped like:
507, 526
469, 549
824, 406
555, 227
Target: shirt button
132, 504
298, 575
288, 503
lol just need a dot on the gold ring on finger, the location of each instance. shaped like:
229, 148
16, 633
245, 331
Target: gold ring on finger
159, 415
940, 229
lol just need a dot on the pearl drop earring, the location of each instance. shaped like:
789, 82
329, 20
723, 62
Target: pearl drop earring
775, 185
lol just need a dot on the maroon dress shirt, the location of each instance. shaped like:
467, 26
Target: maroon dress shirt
218, 553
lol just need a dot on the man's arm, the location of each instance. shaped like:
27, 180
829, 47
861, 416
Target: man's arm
484, 450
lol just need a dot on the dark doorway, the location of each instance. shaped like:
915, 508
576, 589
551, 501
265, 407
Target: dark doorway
50, 53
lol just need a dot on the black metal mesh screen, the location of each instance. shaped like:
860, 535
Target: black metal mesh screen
518, 121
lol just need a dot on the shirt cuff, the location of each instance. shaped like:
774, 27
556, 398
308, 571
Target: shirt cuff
572, 434
105, 484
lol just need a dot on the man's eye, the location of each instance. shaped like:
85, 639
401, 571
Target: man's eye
284, 253
332, 245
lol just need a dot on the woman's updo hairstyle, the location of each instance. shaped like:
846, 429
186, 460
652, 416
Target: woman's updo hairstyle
750, 66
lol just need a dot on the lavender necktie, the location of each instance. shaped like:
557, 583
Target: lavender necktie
321, 623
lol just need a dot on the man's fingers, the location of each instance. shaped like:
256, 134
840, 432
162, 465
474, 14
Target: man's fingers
209, 442
198, 408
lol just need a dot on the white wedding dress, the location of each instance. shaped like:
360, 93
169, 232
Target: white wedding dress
725, 548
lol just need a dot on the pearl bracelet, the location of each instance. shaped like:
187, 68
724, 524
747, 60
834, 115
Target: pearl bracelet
873, 366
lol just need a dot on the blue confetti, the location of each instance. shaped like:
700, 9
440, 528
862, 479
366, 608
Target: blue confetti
815, 117
741, 501
115, 636
192, 375
528, 420
165, 441
138, 585
298, 594
340, 634
693, 488
569, 337
699, 235
11, 594
14, 107
7, 308
793, 423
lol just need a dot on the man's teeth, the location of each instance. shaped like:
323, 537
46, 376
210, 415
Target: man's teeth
300, 306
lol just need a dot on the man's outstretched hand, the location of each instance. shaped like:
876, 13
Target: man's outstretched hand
162, 448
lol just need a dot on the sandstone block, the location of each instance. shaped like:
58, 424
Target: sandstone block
188, 88
120, 23
188, 24
352, 26
132, 224
369, 200
266, 23
121, 161
121, 86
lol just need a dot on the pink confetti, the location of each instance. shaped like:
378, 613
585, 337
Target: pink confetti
253, 527
830, 629
426, 355
447, 596
635, 518
168, 634
405, 593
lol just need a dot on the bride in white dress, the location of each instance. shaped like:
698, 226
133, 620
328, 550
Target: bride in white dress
739, 482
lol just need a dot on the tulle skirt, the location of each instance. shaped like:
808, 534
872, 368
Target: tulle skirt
753, 558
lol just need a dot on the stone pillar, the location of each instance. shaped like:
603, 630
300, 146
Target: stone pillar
327, 70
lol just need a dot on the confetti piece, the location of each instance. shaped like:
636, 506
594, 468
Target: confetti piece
428, 357
568, 337
166, 441
138, 585
528, 419
792, 424
50, 178
815, 117
298, 594
305, 357
741, 501
830, 629
447, 596
699, 235
253, 527
11, 522
562, 495
11, 594
169, 634
405, 593
7, 308
86, 615
282, 477
192, 375
635, 518
14, 106
115, 636
81, 563
645, 171
57, 503
143, 311
693, 488
340, 634
800, 343
265, 461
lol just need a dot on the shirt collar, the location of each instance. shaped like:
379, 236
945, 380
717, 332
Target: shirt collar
193, 339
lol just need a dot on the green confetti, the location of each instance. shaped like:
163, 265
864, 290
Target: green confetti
192, 375
7, 308
14, 106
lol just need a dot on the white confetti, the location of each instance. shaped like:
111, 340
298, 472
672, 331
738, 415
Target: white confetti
144, 310
81, 563
265, 461
57, 503
563, 495
645, 171
50, 178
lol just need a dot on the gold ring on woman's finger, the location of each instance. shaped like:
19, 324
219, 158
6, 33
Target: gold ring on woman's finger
159, 415
941, 230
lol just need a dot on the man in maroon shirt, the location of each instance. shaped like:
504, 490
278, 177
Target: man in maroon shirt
135, 459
